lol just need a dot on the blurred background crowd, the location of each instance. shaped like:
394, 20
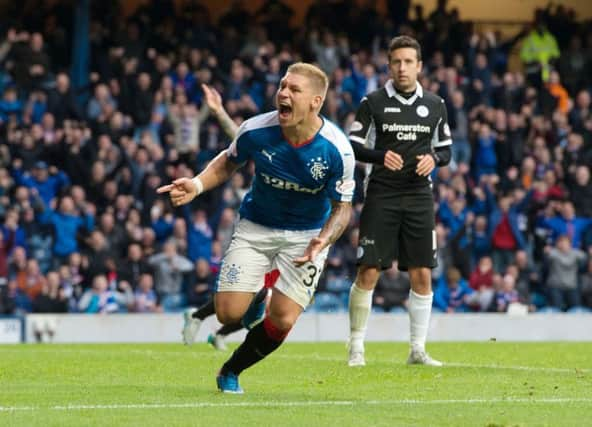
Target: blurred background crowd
83, 230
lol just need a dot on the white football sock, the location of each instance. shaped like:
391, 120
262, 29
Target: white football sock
360, 304
420, 309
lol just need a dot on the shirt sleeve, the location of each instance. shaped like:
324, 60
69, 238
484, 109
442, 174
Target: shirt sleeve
363, 130
442, 136
239, 150
341, 184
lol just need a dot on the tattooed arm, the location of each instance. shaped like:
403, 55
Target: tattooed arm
213, 101
331, 231
228, 126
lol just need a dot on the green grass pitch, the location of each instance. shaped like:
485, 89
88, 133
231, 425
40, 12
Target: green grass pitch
484, 384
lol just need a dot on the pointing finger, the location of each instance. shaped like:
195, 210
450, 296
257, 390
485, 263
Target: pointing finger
165, 188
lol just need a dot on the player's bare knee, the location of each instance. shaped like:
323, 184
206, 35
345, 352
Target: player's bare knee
226, 312
421, 280
282, 321
367, 277
227, 317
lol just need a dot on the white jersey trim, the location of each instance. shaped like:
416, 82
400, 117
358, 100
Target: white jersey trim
335, 136
260, 121
392, 92
357, 139
442, 143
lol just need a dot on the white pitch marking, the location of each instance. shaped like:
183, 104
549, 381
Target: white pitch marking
316, 357
194, 405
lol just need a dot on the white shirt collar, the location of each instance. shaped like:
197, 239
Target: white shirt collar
392, 92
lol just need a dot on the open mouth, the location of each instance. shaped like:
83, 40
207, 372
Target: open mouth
285, 111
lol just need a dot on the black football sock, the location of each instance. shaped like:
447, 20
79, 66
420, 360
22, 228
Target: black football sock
228, 329
262, 340
260, 296
205, 310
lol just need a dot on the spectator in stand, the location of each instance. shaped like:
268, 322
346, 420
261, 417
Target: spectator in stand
481, 281
6, 245
39, 240
133, 266
62, 102
13, 300
199, 234
47, 181
452, 293
179, 236
95, 255
66, 222
11, 225
202, 284
504, 228
226, 227
581, 112
505, 295
169, 268
581, 192
18, 262
31, 281
527, 281
558, 91
114, 234
567, 225
100, 102
145, 298
392, 289
459, 124
10, 106
186, 120
562, 280
481, 239
101, 299
457, 219
539, 51
485, 156
52, 298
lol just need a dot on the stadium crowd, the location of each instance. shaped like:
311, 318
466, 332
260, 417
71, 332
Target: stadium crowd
83, 229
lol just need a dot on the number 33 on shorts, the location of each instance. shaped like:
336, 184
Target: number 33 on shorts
309, 275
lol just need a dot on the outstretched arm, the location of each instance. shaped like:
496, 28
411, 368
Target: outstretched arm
214, 103
184, 190
331, 231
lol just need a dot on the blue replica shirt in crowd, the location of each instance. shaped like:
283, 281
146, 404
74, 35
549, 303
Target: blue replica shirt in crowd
293, 185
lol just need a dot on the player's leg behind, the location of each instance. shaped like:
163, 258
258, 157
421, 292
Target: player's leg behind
193, 317
379, 230
360, 306
417, 254
253, 315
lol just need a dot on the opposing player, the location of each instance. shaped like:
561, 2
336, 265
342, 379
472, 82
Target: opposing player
299, 204
403, 131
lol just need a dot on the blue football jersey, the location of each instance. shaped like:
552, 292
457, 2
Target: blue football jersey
293, 186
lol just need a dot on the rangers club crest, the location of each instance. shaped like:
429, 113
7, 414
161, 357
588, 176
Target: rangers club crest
231, 273
317, 167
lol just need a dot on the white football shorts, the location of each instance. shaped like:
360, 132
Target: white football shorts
256, 250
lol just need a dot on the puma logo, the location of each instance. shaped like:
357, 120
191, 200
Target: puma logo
268, 155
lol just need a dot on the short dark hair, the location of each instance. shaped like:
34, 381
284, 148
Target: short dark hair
400, 42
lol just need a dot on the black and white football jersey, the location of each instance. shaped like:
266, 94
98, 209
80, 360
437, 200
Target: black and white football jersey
409, 126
